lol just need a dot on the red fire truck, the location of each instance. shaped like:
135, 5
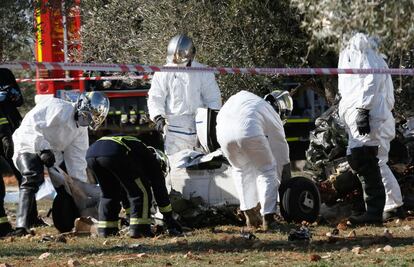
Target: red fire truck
58, 40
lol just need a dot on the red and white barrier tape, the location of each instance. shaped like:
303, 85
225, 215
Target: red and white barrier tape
134, 77
220, 70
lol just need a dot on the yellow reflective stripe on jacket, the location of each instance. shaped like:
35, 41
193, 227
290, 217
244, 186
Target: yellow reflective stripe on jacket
135, 221
118, 139
165, 209
302, 120
292, 139
108, 224
145, 199
3, 121
4, 219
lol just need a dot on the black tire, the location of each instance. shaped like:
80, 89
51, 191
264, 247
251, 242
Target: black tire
282, 189
64, 211
293, 195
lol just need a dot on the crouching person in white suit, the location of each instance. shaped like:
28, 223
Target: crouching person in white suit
251, 135
52, 127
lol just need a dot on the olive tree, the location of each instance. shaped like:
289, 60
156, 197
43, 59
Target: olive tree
331, 22
15, 30
230, 33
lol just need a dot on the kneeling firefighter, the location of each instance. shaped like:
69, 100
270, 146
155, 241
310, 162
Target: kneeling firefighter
124, 162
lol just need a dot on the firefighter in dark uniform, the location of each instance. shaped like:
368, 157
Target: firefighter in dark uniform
124, 162
10, 118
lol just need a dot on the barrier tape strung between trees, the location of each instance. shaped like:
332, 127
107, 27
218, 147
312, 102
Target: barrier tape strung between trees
219, 70
97, 78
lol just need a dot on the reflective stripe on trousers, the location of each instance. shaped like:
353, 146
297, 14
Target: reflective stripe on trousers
145, 205
108, 224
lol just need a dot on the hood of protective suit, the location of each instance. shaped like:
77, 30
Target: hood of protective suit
374, 92
360, 42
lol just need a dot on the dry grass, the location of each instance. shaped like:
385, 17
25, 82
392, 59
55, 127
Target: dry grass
222, 245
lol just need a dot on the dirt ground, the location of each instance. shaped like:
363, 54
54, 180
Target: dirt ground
389, 245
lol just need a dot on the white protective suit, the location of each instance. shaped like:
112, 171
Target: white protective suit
252, 138
374, 92
51, 125
176, 97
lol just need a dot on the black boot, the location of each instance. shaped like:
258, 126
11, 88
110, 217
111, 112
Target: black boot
174, 228
26, 202
397, 213
32, 169
34, 219
19, 232
5, 229
140, 230
105, 232
269, 222
253, 218
364, 161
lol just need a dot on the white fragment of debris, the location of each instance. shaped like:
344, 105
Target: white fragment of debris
388, 248
357, 250
378, 250
44, 255
327, 256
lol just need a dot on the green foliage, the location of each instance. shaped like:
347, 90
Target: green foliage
227, 33
331, 22
15, 27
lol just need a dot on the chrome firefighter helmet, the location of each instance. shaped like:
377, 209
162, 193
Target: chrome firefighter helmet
180, 50
162, 160
282, 102
92, 108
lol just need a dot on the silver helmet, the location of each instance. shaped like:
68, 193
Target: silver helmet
282, 102
92, 108
180, 50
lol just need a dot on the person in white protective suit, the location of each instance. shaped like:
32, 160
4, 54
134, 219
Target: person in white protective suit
251, 135
51, 128
365, 107
174, 97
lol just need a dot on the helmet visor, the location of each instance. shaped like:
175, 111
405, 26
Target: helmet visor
97, 104
100, 108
